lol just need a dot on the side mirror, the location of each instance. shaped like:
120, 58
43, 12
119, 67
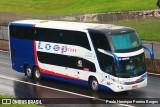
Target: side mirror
110, 54
150, 52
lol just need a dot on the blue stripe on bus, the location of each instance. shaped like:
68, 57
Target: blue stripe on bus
150, 52
20, 24
114, 56
103, 87
85, 83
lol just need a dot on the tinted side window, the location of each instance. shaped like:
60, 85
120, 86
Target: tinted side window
100, 41
65, 61
22, 32
63, 36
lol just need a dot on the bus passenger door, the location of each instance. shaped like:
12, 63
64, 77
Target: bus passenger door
71, 73
85, 67
77, 71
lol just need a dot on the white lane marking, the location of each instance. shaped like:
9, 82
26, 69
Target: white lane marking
5, 77
4, 51
13, 79
2, 68
153, 74
125, 105
5, 63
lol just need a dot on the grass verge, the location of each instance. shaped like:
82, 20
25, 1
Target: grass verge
147, 29
74, 6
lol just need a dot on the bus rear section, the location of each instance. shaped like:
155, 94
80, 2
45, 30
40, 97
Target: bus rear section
21, 45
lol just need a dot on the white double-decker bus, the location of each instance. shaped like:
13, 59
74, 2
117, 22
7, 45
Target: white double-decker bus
101, 56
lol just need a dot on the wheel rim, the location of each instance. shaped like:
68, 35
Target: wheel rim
95, 85
28, 71
37, 74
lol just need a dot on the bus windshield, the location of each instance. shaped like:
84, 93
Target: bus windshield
125, 41
132, 66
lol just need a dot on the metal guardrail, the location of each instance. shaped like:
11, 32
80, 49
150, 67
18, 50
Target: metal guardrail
151, 44
152, 65
155, 48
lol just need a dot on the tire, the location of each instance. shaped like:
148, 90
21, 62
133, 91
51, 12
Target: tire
28, 72
37, 74
94, 85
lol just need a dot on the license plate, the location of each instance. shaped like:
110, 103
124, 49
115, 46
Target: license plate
135, 86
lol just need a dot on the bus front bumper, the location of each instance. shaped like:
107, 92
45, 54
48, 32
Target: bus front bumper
124, 87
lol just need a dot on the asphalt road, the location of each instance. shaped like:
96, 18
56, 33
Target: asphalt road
16, 85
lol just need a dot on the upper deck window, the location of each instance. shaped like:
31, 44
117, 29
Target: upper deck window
22, 32
62, 36
125, 41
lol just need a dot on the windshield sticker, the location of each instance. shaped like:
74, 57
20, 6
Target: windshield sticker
79, 63
124, 58
88, 55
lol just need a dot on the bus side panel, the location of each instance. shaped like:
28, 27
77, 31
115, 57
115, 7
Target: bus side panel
70, 80
22, 52
104, 87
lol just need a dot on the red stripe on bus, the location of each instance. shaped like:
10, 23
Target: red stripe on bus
58, 74
35, 53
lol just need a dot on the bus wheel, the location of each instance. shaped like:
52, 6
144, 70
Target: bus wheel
37, 73
94, 85
28, 71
